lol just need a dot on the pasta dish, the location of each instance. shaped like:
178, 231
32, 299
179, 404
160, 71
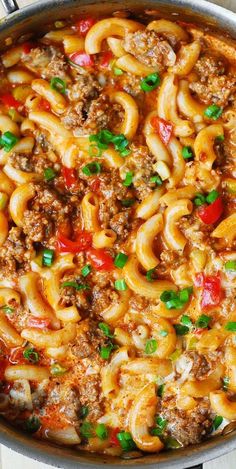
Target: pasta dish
117, 234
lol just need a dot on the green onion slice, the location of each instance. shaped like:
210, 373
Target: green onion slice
77, 286
117, 71
151, 346
57, 370
58, 84
150, 274
120, 260
94, 151
83, 412
8, 140
128, 179
150, 82
47, 257
128, 202
92, 168
86, 270
156, 179
217, 422
213, 111
49, 174
203, 321
199, 200
120, 285
32, 424
101, 431
187, 152
87, 430
231, 326
31, 355
126, 441
181, 329
160, 390
230, 265
212, 196
105, 352
7, 309
105, 329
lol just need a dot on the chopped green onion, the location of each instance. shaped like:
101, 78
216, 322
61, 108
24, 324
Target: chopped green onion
3, 200
8, 140
75, 285
156, 179
83, 412
160, 390
101, 431
49, 174
117, 71
47, 257
126, 441
172, 443
31, 355
92, 168
87, 430
213, 111
187, 152
128, 179
105, 329
105, 352
162, 423
225, 382
203, 321
7, 309
217, 422
150, 82
58, 84
125, 152
163, 333
104, 137
120, 142
149, 274
199, 200
220, 138
185, 294
120, 285
176, 300
86, 270
57, 370
230, 265
175, 355
128, 202
212, 196
151, 346
180, 329
186, 321
94, 151
120, 260
32, 424
231, 326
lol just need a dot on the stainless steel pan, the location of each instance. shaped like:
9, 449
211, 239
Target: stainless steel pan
34, 18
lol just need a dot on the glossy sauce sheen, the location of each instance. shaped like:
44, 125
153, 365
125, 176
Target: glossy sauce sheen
117, 235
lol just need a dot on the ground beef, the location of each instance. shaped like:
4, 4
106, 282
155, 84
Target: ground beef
149, 48
140, 163
131, 85
138, 303
120, 223
69, 296
104, 293
15, 253
86, 87
37, 226
217, 89
63, 395
47, 61
201, 366
35, 163
186, 427
208, 65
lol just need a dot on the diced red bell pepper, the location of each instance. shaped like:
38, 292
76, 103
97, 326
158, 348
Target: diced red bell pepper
100, 259
82, 243
27, 46
106, 59
212, 293
9, 101
44, 105
113, 437
82, 59
69, 176
163, 128
211, 213
83, 26
39, 323
95, 184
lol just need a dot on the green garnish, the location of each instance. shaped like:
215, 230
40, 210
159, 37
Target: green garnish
101, 431
127, 202
151, 346
94, 151
156, 179
49, 174
186, 321
203, 321
230, 265
47, 257
120, 284
160, 390
149, 274
58, 84
7, 309
172, 443
105, 137
117, 71
128, 179
31, 355
150, 82
126, 441
92, 168
180, 329
8, 140
187, 152
105, 352
231, 326
225, 382
87, 430
57, 370
213, 111
105, 329
212, 196
32, 424
176, 300
220, 138
217, 422
175, 355
161, 425
199, 200
83, 412
77, 286
120, 260
86, 270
